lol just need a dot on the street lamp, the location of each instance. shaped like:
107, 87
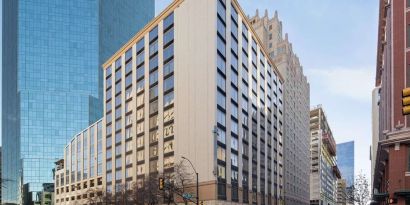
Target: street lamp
197, 179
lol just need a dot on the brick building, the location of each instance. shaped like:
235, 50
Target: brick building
391, 174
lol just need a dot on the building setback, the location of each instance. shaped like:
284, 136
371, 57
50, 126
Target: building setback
52, 84
296, 106
391, 179
324, 172
195, 82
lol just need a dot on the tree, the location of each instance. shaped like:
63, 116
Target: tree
359, 192
146, 191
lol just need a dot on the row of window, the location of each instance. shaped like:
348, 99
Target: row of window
80, 149
234, 94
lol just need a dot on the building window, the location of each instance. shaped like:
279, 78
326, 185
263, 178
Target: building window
221, 28
220, 63
169, 99
168, 67
168, 83
234, 143
221, 82
168, 115
168, 131
221, 117
153, 92
168, 21
234, 160
221, 47
168, 147
153, 77
221, 99
118, 163
221, 154
221, 172
168, 162
234, 127
140, 155
168, 36
221, 11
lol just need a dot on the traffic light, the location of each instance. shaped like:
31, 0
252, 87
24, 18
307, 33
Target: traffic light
393, 201
161, 183
406, 101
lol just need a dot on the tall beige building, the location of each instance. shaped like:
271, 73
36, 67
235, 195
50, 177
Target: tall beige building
196, 82
297, 108
324, 172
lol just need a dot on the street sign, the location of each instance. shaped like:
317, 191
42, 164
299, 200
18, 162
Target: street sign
187, 196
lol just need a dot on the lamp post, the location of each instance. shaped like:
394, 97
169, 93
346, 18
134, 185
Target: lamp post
197, 179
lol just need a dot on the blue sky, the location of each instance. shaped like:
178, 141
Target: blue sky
336, 44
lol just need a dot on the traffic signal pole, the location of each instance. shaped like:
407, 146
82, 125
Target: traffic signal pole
197, 189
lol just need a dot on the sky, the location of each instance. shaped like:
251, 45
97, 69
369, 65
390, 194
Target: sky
336, 43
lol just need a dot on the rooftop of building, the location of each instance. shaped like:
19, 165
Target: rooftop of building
168, 10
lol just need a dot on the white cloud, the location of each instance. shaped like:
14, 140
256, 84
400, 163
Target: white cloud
354, 83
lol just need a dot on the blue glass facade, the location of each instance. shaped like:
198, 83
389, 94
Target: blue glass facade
52, 80
345, 161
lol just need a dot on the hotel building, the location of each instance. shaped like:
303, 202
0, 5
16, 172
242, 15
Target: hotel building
296, 104
324, 172
195, 82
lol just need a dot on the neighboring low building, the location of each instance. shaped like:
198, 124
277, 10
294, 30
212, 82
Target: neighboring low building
195, 82
341, 192
297, 109
324, 172
46, 196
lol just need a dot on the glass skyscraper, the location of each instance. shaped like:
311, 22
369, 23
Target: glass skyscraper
345, 161
52, 79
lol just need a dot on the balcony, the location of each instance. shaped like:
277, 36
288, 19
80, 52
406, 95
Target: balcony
336, 172
330, 143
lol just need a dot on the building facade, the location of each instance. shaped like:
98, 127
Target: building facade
391, 175
195, 82
296, 106
52, 84
324, 172
345, 161
375, 130
341, 192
